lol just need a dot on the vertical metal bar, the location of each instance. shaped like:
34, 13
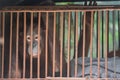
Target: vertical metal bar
83, 53
31, 66
54, 42
91, 43
106, 45
97, 33
10, 54
24, 52
108, 33
98, 44
76, 44
68, 52
61, 42
39, 38
46, 46
17, 40
3, 27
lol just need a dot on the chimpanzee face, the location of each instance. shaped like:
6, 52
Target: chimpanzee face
34, 41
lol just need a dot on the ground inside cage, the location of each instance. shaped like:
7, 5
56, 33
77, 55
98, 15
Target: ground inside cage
113, 67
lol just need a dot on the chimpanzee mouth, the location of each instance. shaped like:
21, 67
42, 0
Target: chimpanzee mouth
35, 55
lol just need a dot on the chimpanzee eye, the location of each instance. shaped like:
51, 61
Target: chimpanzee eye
28, 38
36, 37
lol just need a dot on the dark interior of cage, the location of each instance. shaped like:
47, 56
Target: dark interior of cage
60, 44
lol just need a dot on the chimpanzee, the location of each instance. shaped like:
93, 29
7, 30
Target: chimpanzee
34, 41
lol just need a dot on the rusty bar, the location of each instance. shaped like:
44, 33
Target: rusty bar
54, 43
65, 78
76, 44
61, 42
24, 52
10, 54
17, 40
46, 46
91, 43
31, 44
3, 27
83, 53
68, 52
106, 44
57, 8
108, 32
39, 33
98, 44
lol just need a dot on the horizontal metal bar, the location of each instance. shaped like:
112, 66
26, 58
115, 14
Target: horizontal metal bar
57, 8
60, 78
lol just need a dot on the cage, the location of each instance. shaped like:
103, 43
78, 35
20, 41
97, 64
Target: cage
73, 42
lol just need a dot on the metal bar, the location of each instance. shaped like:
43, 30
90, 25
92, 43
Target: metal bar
17, 40
98, 44
39, 38
31, 44
61, 43
57, 8
46, 46
63, 78
24, 52
68, 52
108, 32
91, 43
54, 43
10, 54
3, 28
102, 34
76, 44
106, 45
83, 53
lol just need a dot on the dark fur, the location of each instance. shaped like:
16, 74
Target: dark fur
27, 58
